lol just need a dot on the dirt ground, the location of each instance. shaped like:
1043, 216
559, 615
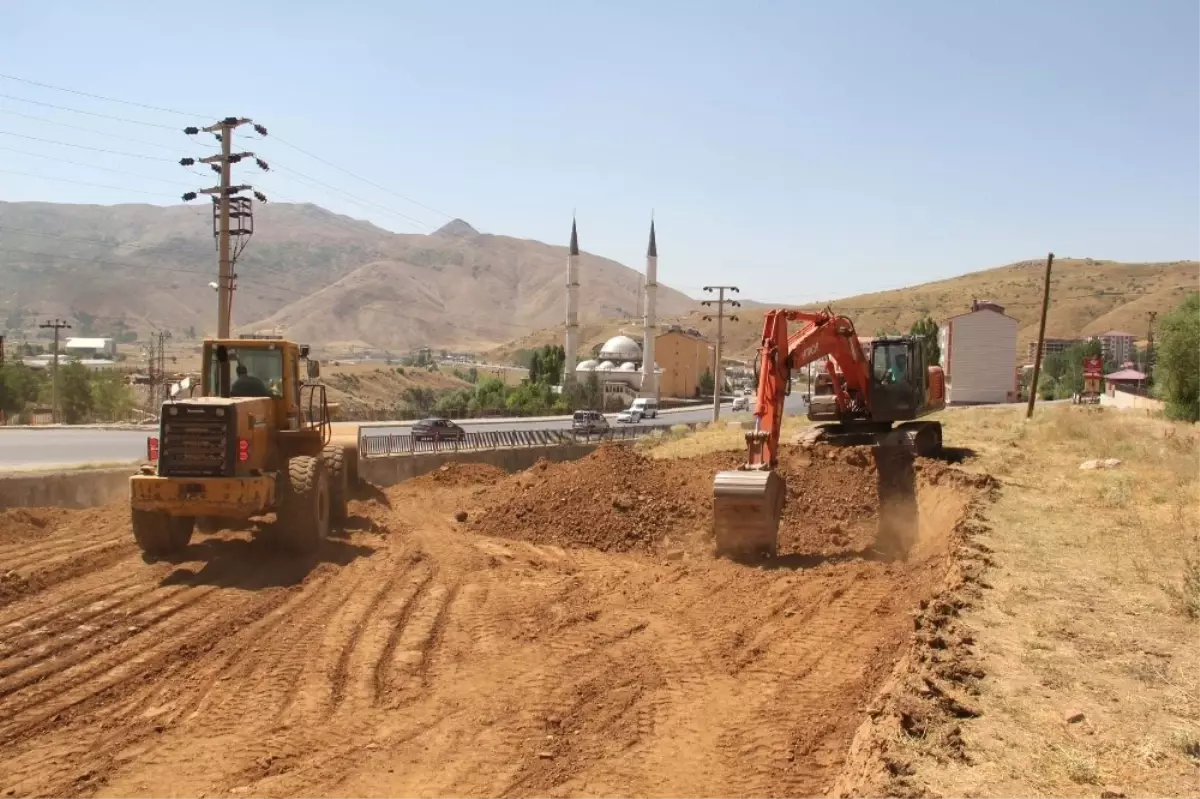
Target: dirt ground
570, 635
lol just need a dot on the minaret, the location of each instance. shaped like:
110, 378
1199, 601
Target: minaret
571, 346
650, 323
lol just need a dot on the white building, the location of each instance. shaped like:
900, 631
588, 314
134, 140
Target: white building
91, 348
979, 352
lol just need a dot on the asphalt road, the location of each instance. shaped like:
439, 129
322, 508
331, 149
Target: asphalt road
66, 447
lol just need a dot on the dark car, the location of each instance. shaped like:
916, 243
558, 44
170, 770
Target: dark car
437, 430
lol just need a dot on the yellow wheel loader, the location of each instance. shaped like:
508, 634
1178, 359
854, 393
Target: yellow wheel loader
256, 440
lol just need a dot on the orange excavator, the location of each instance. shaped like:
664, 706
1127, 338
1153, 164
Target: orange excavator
879, 391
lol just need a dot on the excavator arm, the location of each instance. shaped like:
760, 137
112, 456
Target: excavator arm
748, 502
822, 335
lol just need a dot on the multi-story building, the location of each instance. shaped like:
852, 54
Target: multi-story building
978, 349
1117, 346
1051, 346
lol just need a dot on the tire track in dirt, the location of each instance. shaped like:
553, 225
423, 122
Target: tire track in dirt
19, 556
46, 630
115, 733
77, 633
385, 640
805, 677
111, 662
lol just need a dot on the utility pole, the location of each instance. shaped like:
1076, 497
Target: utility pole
1148, 357
1037, 361
56, 325
720, 301
160, 384
233, 216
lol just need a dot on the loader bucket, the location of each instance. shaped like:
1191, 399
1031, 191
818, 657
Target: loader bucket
747, 505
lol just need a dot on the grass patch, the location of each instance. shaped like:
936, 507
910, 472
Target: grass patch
1095, 591
727, 434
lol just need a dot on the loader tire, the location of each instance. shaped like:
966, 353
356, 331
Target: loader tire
304, 505
335, 462
159, 534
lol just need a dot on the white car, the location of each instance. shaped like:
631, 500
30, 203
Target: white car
741, 403
629, 416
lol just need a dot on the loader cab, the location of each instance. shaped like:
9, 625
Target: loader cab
267, 368
897, 378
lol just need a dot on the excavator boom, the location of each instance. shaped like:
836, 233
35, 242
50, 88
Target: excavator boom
869, 393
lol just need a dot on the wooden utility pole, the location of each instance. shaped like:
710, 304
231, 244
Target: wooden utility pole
720, 302
228, 209
1148, 357
1037, 361
56, 325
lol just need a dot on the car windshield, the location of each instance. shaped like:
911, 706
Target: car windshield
263, 366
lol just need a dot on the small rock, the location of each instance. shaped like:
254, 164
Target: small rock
1109, 793
460, 516
623, 502
1074, 716
546, 755
675, 554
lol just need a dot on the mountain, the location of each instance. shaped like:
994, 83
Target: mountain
1087, 297
327, 279
465, 289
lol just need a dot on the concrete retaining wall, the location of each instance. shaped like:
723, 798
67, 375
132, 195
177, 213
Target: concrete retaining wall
80, 489
389, 471
1120, 399
93, 487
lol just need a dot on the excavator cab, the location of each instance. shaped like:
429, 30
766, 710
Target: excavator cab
897, 385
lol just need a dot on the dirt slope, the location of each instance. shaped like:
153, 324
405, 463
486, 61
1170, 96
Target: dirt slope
414, 657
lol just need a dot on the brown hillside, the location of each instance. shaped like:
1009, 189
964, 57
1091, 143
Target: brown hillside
1087, 296
147, 266
461, 289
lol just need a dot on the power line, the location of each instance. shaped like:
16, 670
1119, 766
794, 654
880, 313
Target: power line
276, 165
359, 177
93, 166
82, 183
95, 132
101, 97
85, 147
89, 113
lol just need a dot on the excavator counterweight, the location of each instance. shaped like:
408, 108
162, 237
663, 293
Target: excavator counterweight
872, 395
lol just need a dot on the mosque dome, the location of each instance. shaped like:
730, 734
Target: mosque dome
621, 348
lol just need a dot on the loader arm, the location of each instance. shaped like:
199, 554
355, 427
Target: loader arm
822, 334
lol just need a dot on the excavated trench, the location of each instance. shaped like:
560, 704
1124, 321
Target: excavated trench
561, 631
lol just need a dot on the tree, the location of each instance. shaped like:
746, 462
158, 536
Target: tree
593, 392
74, 393
927, 331
19, 386
112, 398
535, 368
420, 399
706, 383
1177, 360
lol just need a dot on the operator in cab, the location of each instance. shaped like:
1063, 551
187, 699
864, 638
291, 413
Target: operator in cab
248, 385
898, 371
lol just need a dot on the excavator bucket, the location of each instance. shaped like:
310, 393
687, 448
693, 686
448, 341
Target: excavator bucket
747, 505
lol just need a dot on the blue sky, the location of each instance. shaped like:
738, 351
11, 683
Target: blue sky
801, 150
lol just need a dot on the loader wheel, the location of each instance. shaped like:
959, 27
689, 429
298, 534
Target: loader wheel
335, 462
304, 505
159, 534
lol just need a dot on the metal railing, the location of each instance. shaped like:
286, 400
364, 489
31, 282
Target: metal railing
384, 445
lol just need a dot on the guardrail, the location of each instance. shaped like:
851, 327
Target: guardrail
399, 444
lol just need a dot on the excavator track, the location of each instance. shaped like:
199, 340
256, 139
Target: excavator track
747, 505
923, 439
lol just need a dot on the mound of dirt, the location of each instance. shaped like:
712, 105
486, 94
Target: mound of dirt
21, 524
457, 473
832, 500
613, 500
